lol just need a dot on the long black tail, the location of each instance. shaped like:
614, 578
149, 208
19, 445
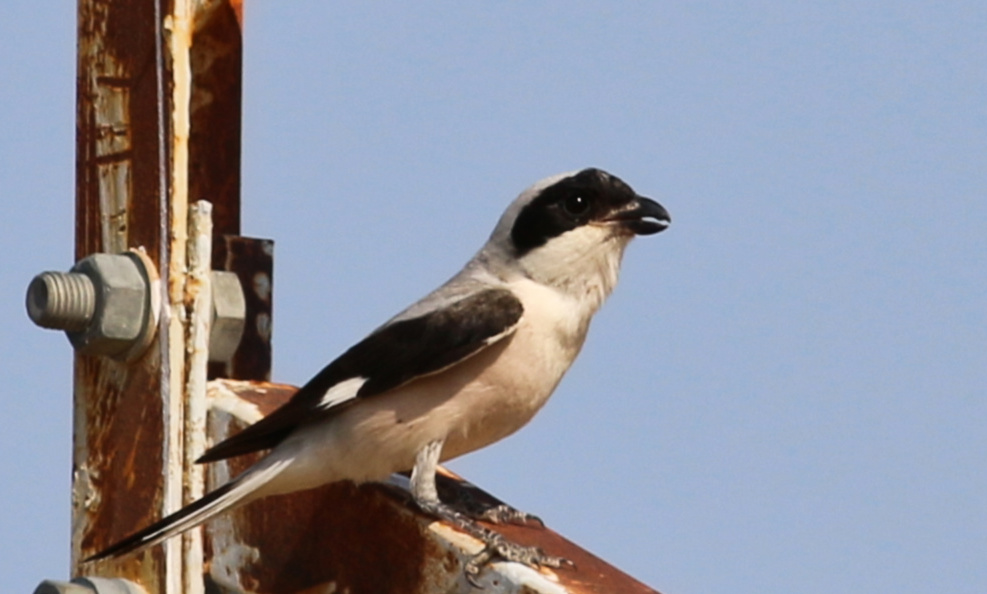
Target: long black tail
226, 497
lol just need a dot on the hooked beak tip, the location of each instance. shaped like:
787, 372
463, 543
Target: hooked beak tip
646, 218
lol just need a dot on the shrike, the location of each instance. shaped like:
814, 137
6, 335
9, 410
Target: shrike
468, 365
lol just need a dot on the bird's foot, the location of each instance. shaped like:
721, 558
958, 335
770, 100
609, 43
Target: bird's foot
495, 545
498, 547
505, 514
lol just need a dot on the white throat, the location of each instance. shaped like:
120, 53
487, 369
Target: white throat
583, 264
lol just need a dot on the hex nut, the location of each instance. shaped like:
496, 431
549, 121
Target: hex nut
122, 310
59, 587
90, 585
229, 315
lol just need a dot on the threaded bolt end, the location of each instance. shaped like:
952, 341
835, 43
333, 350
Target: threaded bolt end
61, 300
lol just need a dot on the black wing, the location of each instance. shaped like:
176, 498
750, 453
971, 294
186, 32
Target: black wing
389, 357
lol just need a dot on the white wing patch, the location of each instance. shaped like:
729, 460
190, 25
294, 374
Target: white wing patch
342, 392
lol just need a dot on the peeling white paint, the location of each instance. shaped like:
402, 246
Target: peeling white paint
515, 578
198, 300
464, 545
179, 577
223, 398
85, 496
229, 556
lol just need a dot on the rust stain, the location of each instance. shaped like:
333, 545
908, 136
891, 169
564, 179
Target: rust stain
266, 396
215, 105
339, 534
119, 423
121, 457
591, 574
237, 6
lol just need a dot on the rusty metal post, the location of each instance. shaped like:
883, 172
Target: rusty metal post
124, 181
158, 125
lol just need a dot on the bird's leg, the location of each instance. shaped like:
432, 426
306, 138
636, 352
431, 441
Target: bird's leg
463, 500
426, 496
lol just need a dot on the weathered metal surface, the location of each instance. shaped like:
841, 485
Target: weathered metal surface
252, 260
158, 122
122, 149
344, 538
215, 109
176, 29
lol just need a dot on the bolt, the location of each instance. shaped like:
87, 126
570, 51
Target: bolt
61, 300
104, 304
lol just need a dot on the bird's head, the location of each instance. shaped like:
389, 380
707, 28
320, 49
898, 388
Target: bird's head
569, 231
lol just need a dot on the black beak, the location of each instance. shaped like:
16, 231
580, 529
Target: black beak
644, 217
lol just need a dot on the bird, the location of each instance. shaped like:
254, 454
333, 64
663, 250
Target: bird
462, 368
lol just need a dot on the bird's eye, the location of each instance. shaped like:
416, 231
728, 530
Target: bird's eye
575, 205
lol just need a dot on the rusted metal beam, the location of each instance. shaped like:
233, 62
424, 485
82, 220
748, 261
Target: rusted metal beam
216, 59
120, 477
158, 122
371, 538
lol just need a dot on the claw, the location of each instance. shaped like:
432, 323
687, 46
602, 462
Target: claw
495, 545
475, 565
505, 514
500, 547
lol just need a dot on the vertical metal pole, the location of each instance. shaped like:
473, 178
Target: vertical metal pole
124, 413
158, 126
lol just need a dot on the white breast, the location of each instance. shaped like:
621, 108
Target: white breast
518, 378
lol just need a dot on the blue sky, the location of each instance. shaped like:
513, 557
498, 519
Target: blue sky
786, 393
